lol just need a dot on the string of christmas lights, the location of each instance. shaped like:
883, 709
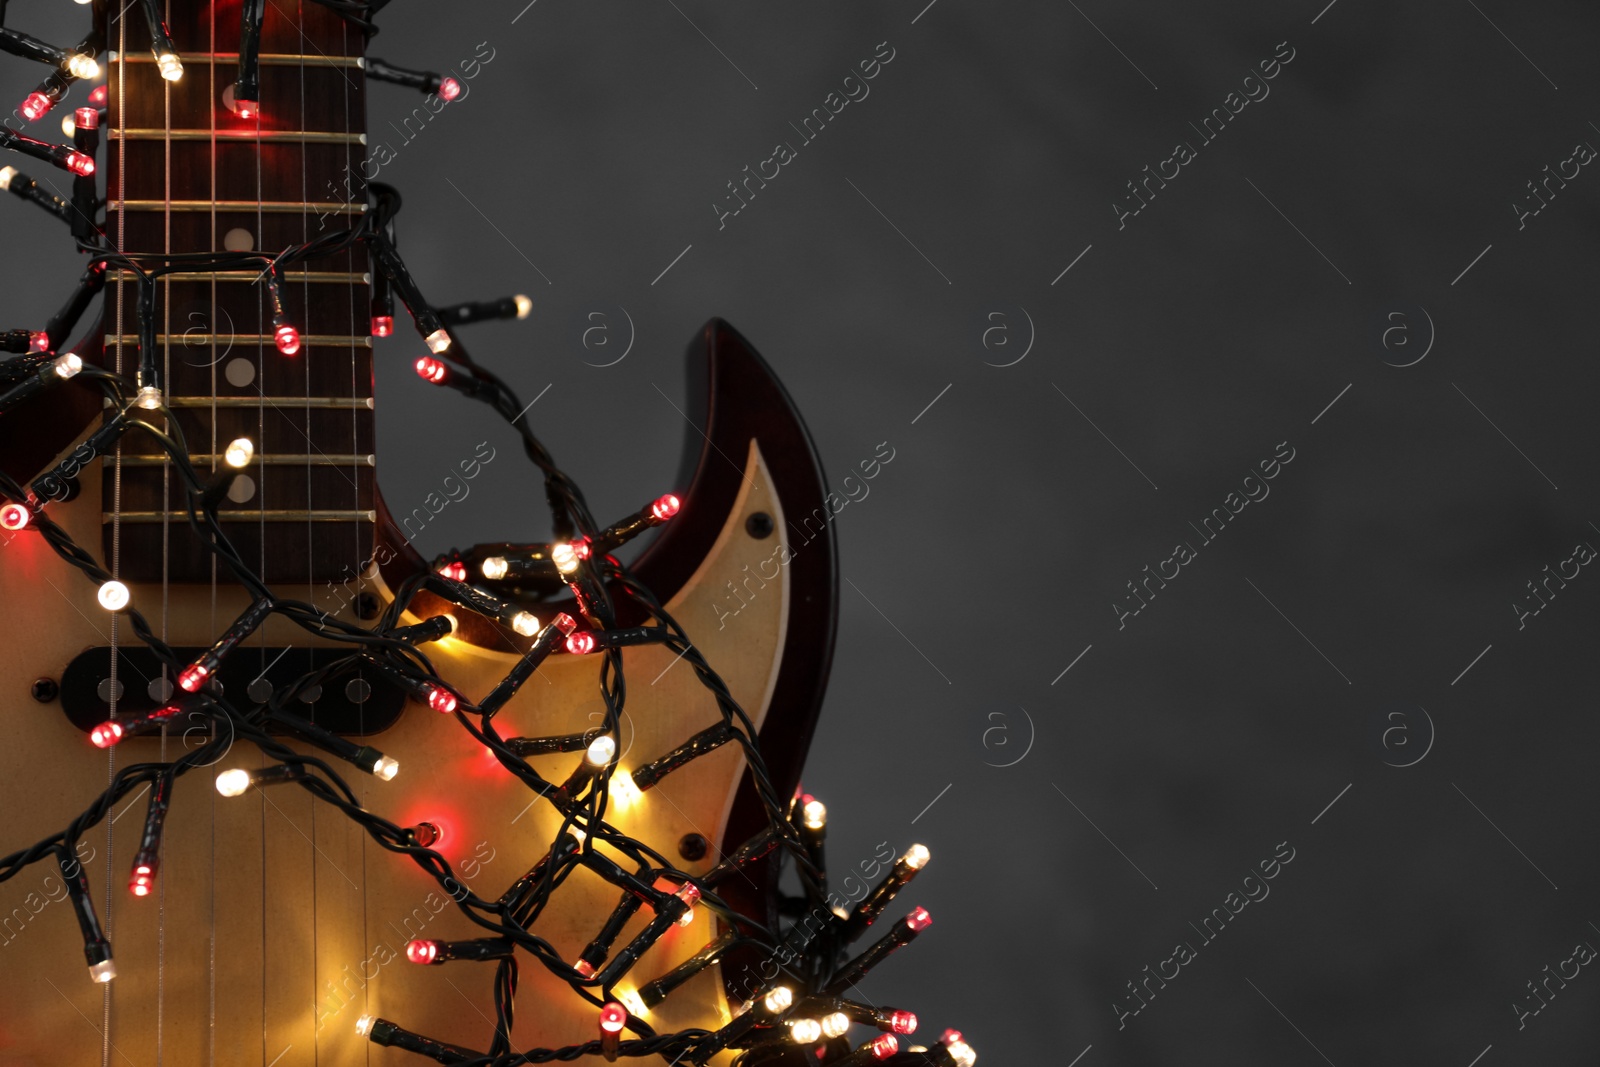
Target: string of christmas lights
797, 1008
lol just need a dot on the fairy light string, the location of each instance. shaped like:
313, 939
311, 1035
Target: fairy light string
797, 1006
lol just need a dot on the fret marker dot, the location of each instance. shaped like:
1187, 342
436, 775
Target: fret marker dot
238, 240
239, 372
242, 489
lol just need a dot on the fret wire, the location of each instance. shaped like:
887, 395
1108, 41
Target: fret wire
202, 340
252, 276
249, 207
271, 459
246, 136
266, 59
358, 402
249, 515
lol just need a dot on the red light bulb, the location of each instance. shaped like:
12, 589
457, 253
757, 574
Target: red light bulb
949, 1036
382, 325
14, 517
86, 118
884, 1045
423, 952
287, 339
903, 1022
193, 677
143, 880
431, 370
39, 341
80, 164
613, 1017
97, 96
919, 920
246, 109
456, 571
582, 548
428, 834
441, 699
449, 89
580, 644
105, 735
665, 507
34, 106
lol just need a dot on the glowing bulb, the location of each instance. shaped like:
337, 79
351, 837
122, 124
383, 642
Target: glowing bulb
97, 95
585, 968
665, 507
364, 1024
149, 397
114, 596
102, 972
580, 643
903, 1022
82, 66
565, 557
426, 834
633, 1002
884, 1045
916, 857
233, 783
624, 792
441, 699
431, 370
449, 89
525, 623
239, 452
961, 1052
613, 1017
455, 570
287, 338
193, 677
835, 1025
814, 814
6, 175
601, 749
422, 952
246, 109
382, 325
14, 517
69, 125
105, 735
919, 920
171, 66
38, 341
85, 118
34, 106
80, 164
438, 341
805, 1031
778, 1000
385, 767
143, 880
68, 365
495, 568
524, 306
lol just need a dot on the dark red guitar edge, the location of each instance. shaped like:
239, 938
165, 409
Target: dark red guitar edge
733, 397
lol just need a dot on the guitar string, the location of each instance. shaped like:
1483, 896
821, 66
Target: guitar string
116, 497
211, 959
261, 526
166, 537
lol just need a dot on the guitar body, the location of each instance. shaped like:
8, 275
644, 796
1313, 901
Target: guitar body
275, 922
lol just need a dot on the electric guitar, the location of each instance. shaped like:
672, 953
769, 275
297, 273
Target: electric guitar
275, 923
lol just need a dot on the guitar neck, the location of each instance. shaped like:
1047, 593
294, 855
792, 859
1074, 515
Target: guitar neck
186, 174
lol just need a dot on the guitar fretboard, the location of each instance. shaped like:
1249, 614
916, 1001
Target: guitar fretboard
185, 174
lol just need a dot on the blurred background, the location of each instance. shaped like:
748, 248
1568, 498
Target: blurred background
1347, 277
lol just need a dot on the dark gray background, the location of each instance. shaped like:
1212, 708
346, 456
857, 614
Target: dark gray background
1222, 320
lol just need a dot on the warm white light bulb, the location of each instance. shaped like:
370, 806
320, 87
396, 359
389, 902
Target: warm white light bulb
114, 596
815, 814
565, 557
916, 857
69, 125
962, 1053
239, 452
6, 174
233, 783
835, 1025
149, 397
494, 568
805, 1031
778, 1000
524, 306
171, 66
68, 364
601, 749
633, 1002
438, 341
525, 623
386, 767
82, 66
364, 1024
624, 792
102, 972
